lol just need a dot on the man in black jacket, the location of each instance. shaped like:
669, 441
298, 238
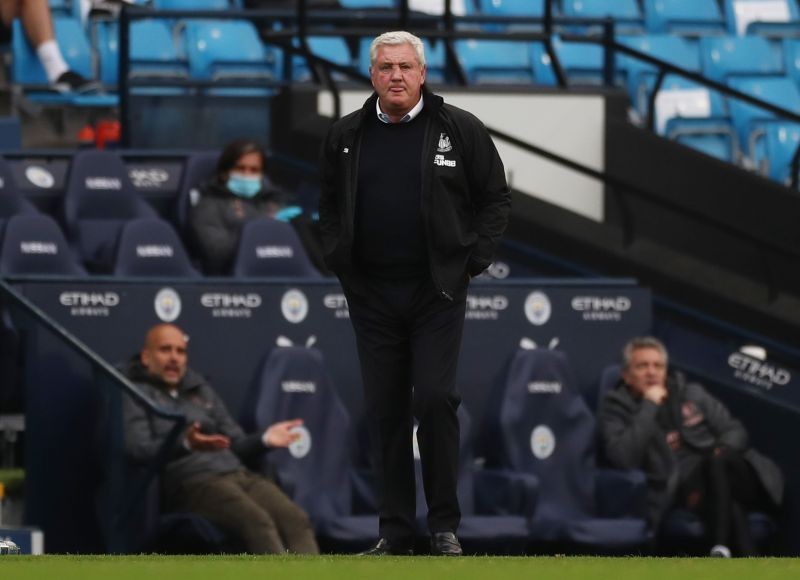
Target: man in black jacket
695, 455
413, 203
205, 474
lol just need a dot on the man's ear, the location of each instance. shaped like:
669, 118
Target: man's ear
144, 357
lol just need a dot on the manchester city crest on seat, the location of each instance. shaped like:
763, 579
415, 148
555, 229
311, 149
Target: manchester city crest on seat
444, 143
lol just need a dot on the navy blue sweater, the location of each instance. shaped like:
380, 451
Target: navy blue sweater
390, 236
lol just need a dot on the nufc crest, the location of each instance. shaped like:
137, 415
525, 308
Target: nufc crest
444, 143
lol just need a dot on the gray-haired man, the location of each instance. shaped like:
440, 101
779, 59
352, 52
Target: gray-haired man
413, 203
695, 455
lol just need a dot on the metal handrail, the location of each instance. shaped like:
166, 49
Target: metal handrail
622, 188
304, 17
154, 465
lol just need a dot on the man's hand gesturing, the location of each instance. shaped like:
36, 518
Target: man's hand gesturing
281, 434
198, 441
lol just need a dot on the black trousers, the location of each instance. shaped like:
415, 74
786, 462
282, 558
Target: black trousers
720, 488
408, 339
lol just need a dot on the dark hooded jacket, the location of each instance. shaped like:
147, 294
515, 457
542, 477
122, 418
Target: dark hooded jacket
632, 437
145, 432
465, 199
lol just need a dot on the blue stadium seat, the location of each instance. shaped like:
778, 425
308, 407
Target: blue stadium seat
34, 244
687, 17
791, 55
765, 17
609, 378
59, 8
200, 167
230, 49
641, 76
193, 4
359, 4
27, 70
149, 247
542, 65
542, 426
582, 63
531, 8
496, 506
11, 200
695, 116
152, 51
625, 13
98, 200
331, 48
270, 247
508, 8
435, 62
750, 120
725, 57
716, 145
293, 382
781, 141
495, 61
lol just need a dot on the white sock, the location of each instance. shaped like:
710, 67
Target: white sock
50, 56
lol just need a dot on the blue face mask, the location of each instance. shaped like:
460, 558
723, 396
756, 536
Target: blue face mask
244, 185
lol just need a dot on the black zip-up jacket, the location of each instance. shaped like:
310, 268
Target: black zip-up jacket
145, 433
216, 222
465, 198
631, 437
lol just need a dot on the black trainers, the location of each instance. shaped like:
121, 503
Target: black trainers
445, 544
386, 547
72, 82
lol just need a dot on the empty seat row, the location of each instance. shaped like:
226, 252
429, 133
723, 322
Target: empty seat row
728, 127
213, 50
223, 50
675, 16
33, 243
718, 58
685, 110
100, 205
204, 50
685, 17
539, 485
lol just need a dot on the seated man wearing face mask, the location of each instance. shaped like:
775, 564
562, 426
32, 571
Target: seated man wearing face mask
239, 192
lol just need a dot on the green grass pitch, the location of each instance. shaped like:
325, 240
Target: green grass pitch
390, 568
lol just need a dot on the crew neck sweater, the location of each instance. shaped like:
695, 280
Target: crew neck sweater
390, 233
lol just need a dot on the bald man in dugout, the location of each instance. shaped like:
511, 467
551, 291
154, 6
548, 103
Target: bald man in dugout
205, 473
